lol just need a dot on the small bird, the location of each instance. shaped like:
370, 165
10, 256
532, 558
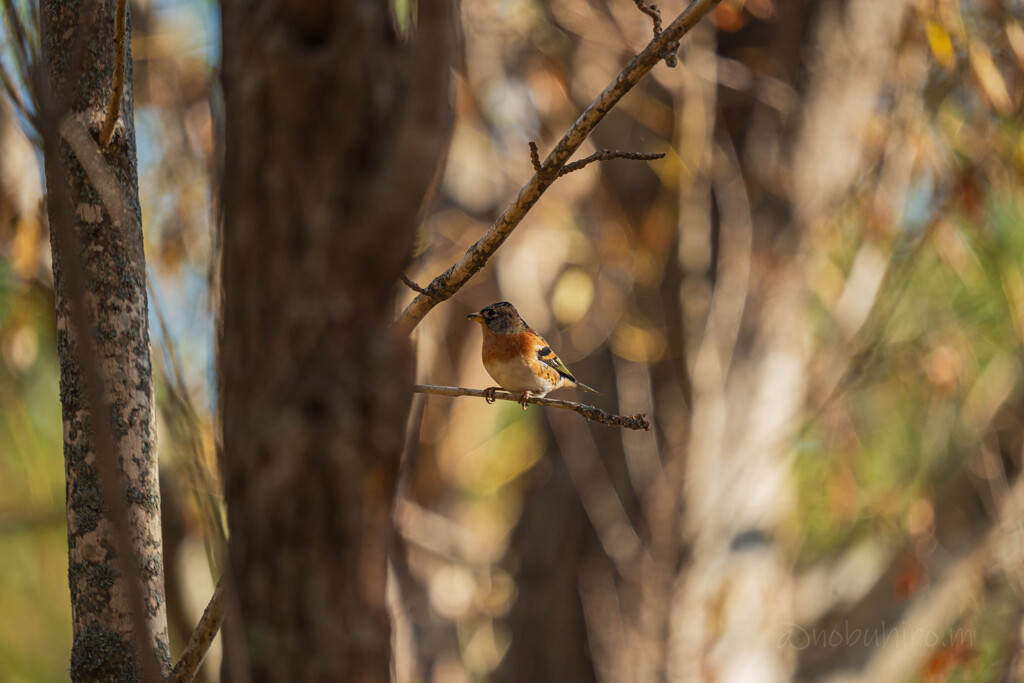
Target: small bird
518, 358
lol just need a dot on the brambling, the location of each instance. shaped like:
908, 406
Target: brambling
518, 358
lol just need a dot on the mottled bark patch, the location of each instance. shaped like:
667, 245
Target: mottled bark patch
100, 654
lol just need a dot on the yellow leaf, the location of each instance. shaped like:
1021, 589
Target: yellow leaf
940, 43
990, 80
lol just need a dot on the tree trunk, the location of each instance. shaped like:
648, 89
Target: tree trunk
79, 60
551, 544
334, 128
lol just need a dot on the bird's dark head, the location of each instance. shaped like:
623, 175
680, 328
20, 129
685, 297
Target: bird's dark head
501, 317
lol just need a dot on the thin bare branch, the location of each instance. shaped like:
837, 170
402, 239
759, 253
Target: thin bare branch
413, 286
669, 55
605, 155
600, 155
445, 285
638, 421
201, 639
535, 157
653, 12
120, 67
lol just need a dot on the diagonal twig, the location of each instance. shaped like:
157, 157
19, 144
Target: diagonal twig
638, 421
201, 639
120, 67
445, 285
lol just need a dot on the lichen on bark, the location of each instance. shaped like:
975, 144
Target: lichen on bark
78, 54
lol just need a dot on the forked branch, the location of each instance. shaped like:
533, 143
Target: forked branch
445, 285
638, 421
600, 155
413, 286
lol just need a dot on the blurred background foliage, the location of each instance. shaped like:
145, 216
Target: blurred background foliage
535, 546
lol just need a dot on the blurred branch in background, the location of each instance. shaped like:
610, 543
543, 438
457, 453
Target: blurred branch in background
189, 431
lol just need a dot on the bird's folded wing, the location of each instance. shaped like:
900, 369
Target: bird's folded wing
546, 355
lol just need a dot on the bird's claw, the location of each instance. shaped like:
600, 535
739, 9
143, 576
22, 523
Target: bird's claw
489, 396
524, 399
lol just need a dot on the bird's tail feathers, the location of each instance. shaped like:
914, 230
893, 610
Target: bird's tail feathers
584, 387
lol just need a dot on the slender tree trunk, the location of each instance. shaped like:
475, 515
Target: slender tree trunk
334, 128
79, 61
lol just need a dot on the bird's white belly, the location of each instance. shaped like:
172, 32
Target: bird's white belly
515, 376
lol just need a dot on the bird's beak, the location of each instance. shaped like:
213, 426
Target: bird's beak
476, 317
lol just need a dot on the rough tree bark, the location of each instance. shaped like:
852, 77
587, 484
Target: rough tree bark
334, 130
79, 62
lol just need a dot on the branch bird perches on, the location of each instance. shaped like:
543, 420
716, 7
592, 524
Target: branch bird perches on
638, 421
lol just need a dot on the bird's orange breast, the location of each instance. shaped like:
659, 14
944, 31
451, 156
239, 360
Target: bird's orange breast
503, 347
